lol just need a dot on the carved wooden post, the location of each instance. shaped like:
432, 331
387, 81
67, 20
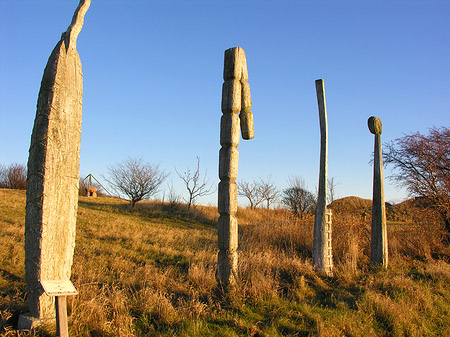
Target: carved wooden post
322, 256
53, 173
235, 98
328, 235
379, 240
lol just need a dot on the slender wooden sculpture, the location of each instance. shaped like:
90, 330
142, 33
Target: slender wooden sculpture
379, 240
53, 173
235, 98
322, 251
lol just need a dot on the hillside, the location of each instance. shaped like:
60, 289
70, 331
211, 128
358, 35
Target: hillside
352, 205
408, 211
151, 272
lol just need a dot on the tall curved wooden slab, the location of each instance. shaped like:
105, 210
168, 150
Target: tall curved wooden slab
322, 251
53, 170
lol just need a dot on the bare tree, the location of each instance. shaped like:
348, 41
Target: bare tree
258, 191
297, 198
421, 163
331, 190
269, 192
195, 186
136, 179
252, 191
13, 176
3, 180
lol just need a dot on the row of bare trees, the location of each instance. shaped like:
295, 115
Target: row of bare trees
419, 162
294, 197
139, 180
258, 192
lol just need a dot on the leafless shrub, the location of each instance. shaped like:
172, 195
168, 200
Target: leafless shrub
257, 192
269, 192
251, 191
136, 179
173, 198
297, 198
421, 163
331, 193
195, 186
13, 176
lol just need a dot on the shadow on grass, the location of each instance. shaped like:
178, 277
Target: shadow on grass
9, 276
177, 215
336, 295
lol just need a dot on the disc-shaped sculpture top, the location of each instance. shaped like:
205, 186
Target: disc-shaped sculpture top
375, 126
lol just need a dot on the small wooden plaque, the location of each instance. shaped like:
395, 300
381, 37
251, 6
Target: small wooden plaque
59, 288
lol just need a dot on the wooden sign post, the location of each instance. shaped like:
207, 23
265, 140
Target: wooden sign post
60, 289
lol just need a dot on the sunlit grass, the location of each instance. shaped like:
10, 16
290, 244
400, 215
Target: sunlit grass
150, 271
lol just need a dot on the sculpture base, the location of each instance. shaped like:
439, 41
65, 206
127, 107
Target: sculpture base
29, 322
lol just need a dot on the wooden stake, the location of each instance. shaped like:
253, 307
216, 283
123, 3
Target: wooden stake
61, 316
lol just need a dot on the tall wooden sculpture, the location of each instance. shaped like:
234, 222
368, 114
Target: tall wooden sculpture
53, 172
322, 251
235, 98
379, 240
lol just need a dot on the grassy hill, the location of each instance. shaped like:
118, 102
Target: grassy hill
352, 205
151, 272
411, 211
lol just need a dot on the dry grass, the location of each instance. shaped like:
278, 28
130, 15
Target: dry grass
151, 272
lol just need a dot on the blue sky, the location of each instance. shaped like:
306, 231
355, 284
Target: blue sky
153, 78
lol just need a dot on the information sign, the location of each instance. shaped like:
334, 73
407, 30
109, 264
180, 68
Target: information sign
58, 287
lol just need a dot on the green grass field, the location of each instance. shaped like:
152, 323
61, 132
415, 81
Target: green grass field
151, 272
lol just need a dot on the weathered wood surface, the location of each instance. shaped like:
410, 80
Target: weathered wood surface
235, 98
62, 328
322, 258
53, 170
379, 239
